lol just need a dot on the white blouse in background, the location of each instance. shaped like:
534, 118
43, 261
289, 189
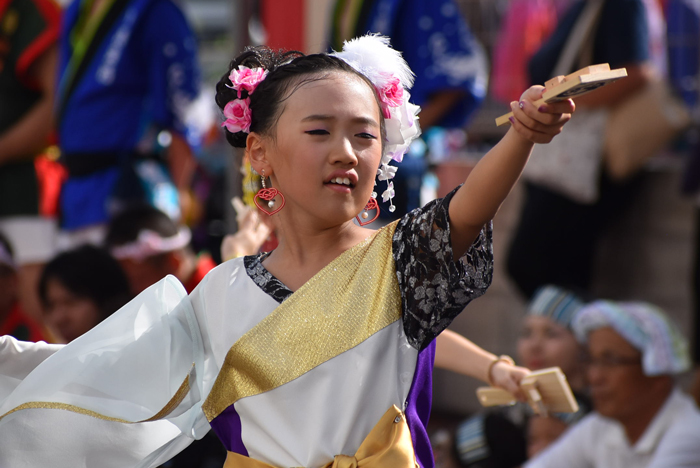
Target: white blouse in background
672, 440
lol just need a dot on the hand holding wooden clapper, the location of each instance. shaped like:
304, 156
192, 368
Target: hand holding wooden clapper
580, 82
547, 390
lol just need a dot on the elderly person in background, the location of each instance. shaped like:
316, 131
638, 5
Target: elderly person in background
506, 437
641, 418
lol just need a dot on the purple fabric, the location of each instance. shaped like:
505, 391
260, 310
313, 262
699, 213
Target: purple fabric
418, 404
227, 427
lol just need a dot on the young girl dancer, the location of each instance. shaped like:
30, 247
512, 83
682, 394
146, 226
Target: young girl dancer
319, 353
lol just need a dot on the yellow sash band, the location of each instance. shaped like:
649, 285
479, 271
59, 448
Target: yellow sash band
388, 445
348, 301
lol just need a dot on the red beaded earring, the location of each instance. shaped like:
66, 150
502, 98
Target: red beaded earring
371, 205
268, 194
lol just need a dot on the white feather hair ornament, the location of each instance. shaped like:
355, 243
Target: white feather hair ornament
373, 57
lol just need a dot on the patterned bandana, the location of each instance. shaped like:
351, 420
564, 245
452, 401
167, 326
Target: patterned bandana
644, 326
555, 303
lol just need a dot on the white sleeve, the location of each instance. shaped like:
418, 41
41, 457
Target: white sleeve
18, 359
127, 393
680, 446
571, 450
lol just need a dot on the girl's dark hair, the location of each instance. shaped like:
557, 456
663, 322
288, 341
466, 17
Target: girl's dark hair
287, 70
89, 272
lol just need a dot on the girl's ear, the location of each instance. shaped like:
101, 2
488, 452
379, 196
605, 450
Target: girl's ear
256, 149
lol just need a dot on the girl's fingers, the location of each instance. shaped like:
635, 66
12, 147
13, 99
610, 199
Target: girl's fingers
546, 117
512, 387
521, 114
539, 125
517, 374
519, 395
530, 134
561, 107
533, 93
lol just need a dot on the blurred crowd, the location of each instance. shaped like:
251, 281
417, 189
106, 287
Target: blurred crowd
103, 193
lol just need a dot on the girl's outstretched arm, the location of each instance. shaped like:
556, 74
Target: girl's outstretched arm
492, 179
455, 353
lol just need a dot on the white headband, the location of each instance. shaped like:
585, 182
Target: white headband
373, 57
149, 243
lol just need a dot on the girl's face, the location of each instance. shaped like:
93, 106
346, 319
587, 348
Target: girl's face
544, 343
71, 315
327, 149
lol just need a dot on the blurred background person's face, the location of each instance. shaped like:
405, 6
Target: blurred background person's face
143, 274
617, 381
544, 343
70, 314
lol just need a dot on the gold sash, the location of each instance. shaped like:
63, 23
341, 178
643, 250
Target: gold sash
388, 445
348, 301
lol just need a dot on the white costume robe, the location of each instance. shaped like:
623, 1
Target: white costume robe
290, 379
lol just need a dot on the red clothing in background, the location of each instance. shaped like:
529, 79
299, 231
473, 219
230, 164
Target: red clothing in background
204, 265
19, 325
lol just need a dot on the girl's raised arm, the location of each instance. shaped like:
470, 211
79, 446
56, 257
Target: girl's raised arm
492, 179
458, 354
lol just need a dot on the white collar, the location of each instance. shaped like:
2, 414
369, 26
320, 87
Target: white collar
675, 404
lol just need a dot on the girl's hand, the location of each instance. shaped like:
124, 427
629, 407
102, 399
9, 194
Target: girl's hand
539, 124
508, 377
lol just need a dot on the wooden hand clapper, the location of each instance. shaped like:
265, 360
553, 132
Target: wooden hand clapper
580, 82
547, 391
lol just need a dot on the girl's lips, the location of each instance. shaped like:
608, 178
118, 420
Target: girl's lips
350, 176
339, 188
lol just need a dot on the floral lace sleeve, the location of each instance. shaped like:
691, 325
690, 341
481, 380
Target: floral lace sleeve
435, 288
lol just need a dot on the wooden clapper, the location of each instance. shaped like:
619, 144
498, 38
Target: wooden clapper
580, 82
547, 390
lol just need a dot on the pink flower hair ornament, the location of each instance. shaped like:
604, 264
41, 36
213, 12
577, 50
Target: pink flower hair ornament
238, 116
237, 111
244, 78
390, 94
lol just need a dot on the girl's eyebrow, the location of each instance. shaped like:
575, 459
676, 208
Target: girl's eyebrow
325, 117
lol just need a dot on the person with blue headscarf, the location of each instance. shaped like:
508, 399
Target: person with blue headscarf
128, 75
641, 418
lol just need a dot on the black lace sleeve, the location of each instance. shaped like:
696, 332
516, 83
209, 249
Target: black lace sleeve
435, 288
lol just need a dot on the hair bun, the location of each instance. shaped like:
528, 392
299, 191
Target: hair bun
237, 140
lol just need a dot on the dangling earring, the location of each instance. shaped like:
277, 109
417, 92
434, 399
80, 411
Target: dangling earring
271, 203
268, 194
371, 205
